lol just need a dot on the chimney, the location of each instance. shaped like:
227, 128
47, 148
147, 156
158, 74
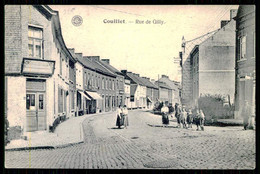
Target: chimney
137, 75
124, 71
223, 23
79, 55
148, 78
183, 44
92, 58
180, 55
233, 13
106, 60
164, 76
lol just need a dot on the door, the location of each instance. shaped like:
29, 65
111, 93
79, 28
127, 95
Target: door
35, 111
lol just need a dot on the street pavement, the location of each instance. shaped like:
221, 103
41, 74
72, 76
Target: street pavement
142, 146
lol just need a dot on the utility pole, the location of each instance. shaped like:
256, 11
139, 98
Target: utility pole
158, 87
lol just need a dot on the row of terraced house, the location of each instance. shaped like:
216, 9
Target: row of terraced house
46, 82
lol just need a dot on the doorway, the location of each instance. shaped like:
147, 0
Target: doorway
35, 106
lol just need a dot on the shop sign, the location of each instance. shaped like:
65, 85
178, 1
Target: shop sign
37, 66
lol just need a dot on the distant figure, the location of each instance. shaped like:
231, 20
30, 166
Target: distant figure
165, 111
189, 119
125, 115
171, 110
177, 114
119, 121
202, 120
183, 117
197, 119
246, 114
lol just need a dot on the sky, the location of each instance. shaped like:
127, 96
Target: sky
146, 48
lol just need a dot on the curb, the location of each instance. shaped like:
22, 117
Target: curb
166, 126
81, 140
67, 145
30, 148
44, 147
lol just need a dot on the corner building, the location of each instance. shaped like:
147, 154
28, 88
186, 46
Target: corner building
39, 70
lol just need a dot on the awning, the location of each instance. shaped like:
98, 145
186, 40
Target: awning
148, 99
94, 95
82, 93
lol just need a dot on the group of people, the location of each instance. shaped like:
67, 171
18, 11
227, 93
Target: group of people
122, 117
185, 117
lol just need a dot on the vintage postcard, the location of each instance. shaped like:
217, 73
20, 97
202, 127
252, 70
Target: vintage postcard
130, 86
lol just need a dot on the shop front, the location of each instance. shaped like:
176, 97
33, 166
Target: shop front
37, 74
94, 105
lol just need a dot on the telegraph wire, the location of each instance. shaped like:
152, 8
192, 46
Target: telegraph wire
117, 11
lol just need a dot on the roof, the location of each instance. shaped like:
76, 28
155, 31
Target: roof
189, 45
111, 68
148, 83
172, 84
57, 25
99, 67
244, 10
135, 79
94, 66
163, 85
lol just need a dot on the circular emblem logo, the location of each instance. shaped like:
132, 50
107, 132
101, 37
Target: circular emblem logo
77, 20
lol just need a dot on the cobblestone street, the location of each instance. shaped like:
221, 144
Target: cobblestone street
142, 146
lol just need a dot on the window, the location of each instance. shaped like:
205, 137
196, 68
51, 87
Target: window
113, 85
60, 100
61, 60
40, 101
109, 99
242, 47
103, 83
30, 101
35, 42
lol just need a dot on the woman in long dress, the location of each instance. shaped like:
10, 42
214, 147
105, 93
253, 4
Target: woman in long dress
202, 120
119, 117
183, 117
125, 114
165, 111
189, 119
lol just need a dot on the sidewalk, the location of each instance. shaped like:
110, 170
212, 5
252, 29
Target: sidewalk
67, 133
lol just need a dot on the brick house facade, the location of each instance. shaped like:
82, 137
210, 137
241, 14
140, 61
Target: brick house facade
245, 59
39, 70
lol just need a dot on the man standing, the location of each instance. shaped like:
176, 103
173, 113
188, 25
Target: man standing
177, 114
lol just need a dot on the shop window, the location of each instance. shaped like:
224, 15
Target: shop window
35, 42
